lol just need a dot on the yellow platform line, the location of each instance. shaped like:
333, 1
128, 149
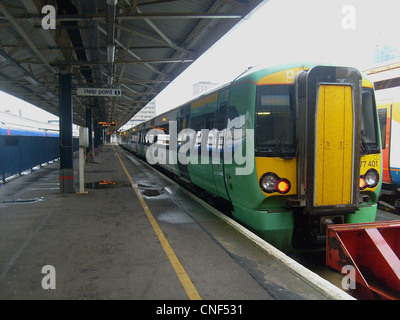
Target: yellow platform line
176, 264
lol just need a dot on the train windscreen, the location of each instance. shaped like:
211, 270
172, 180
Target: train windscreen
275, 121
369, 133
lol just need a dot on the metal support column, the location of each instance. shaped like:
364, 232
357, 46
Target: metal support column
66, 142
89, 150
96, 145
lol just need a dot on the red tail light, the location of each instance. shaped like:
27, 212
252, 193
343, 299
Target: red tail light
363, 184
283, 186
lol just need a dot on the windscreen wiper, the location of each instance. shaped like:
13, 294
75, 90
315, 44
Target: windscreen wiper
279, 149
364, 147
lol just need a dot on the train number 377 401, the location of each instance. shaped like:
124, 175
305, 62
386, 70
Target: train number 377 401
369, 164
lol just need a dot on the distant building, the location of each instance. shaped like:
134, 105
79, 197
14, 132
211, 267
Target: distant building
148, 112
203, 86
384, 52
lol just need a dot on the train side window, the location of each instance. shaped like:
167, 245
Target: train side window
222, 116
212, 109
197, 124
183, 119
210, 120
382, 113
147, 138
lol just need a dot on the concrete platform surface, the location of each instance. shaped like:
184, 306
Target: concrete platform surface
150, 242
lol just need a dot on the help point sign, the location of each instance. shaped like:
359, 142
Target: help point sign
98, 92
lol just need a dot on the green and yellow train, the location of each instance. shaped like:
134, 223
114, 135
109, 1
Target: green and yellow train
290, 149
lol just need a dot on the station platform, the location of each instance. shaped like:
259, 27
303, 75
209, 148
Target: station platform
137, 235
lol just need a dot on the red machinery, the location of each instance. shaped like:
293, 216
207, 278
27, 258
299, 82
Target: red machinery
373, 249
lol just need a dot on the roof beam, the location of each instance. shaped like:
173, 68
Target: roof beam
159, 32
388, 83
88, 47
156, 2
111, 13
27, 74
152, 39
143, 61
25, 96
31, 7
127, 82
139, 16
22, 33
131, 10
134, 55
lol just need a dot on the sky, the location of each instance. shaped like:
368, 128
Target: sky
9, 103
342, 32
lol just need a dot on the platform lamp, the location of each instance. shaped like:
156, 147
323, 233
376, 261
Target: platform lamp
110, 62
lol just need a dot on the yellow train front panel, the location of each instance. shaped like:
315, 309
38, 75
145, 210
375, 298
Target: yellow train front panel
334, 146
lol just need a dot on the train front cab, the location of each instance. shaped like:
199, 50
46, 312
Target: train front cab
317, 155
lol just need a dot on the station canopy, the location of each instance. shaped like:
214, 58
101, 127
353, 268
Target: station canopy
135, 46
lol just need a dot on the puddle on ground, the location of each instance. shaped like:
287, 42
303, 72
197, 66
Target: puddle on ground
144, 186
107, 184
21, 201
149, 190
150, 193
175, 218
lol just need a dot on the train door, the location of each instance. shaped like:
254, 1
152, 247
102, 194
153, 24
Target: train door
334, 145
218, 163
384, 113
183, 123
329, 111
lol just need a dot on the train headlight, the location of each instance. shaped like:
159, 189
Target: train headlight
270, 182
369, 180
371, 177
